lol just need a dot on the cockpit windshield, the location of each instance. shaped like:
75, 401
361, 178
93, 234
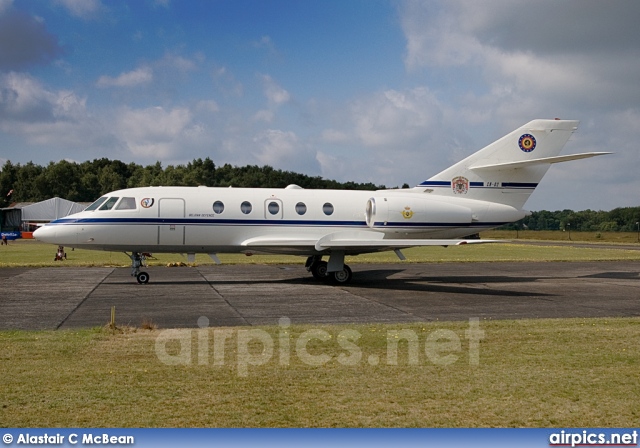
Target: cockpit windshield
96, 204
108, 205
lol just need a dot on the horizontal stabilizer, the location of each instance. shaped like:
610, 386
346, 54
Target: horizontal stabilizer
533, 162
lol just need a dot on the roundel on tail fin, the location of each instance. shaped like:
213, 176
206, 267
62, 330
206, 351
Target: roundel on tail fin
527, 142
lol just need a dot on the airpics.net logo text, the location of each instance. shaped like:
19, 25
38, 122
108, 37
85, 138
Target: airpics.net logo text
248, 348
591, 438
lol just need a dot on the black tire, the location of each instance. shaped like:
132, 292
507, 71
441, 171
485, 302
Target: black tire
143, 278
319, 270
342, 277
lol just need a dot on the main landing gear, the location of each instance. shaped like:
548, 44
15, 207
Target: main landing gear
139, 259
320, 271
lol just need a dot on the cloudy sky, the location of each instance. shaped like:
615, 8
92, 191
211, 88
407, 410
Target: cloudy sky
365, 90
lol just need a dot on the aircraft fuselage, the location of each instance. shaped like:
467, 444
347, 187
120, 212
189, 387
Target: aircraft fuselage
228, 220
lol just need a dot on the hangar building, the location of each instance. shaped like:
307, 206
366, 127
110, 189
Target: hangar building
27, 216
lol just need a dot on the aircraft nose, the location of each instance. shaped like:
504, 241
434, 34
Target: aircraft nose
46, 234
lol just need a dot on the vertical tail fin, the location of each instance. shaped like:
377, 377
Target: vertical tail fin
509, 169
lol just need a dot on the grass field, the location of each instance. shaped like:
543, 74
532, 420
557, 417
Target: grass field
556, 235
561, 373
35, 254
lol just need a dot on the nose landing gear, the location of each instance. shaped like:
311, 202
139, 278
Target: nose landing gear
143, 278
137, 260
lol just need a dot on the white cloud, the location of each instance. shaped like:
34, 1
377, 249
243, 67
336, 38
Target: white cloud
285, 150
54, 121
170, 63
394, 118
162, 3
433, 37
264, 115
334, 136
84, 9
265, 42
274, 93
534, 53
330, 164
142, 75
153, 132
276, 146
226, 82
390, 120
388, 137
208, 106
25, 100
276, 96
177, 62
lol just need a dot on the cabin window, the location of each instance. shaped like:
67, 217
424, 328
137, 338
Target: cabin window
218, 207
108, 205
273, 208
327, 208
301, 208
246, 207
96, 204
126, 204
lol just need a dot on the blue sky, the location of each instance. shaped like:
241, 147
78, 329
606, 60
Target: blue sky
367, 90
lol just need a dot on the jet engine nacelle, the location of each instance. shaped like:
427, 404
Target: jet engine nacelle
414, 213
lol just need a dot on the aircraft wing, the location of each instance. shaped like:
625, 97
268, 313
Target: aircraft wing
356, 240
279, 241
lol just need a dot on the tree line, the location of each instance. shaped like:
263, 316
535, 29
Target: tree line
622, 219
87, 181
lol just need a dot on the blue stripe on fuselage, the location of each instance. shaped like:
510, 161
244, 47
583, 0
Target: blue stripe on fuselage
200, 221
444, 184
261, 222
414, 225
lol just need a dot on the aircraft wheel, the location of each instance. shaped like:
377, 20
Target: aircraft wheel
343, 277
319, 270
143, 278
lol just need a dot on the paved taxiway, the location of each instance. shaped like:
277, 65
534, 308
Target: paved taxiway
228, 295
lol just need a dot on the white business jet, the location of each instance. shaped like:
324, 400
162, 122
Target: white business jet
485, 190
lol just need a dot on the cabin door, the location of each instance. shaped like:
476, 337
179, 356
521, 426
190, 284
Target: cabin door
171, 229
